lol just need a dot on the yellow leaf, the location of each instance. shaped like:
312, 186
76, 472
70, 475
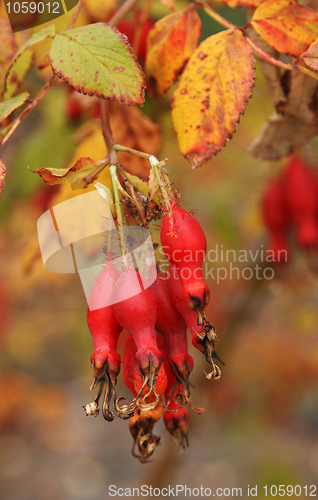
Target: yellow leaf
242, 3
212, 94
171, 42
286, 26
99, 10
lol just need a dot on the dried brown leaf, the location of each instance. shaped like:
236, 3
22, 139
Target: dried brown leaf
294, 122
133, 129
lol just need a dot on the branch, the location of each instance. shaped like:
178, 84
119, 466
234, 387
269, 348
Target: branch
24, 113
75, 15
267, 57
124, 149
122, 12
219, 19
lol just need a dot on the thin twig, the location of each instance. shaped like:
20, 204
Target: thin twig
24, 113
75, 15
140, 23
219, 19
124, 149
107, 132
267, 57
122, 12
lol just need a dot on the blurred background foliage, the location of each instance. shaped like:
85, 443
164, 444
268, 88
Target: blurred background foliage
261, 420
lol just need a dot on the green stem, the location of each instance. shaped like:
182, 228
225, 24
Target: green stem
119, 217
124, 149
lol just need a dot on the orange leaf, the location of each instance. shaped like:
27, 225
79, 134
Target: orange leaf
84, 172
242, 3
311, 56
286, 26
7, 49
212, 94
171, 42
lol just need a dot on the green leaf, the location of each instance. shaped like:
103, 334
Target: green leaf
22, 61
140, 185
6, 107
153, 184
105, 192
7, 49
98, 60
84, 172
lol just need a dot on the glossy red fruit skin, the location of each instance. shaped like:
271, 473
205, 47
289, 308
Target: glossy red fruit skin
176, 421
190, 317
184, 245
276, 219
171, 325
102, 322
302, 202
138, 314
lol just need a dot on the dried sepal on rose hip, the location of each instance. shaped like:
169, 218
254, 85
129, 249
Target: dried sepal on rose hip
105, 331
175, 417
203, 336
142, 422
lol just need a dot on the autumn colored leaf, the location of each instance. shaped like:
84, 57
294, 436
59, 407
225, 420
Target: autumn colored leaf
84, 172
6, 107
140, 185
242, 3
294, 122
2, 177
97, 60
22, 61
135, 130
7, 49
171, 42
286, 26
99, 10
212, 94
311, 56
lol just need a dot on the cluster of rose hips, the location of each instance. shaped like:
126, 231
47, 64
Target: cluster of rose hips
156, 364
291, 202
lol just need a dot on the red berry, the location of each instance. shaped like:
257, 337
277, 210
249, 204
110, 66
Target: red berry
302, 202
276, 218
184, 244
